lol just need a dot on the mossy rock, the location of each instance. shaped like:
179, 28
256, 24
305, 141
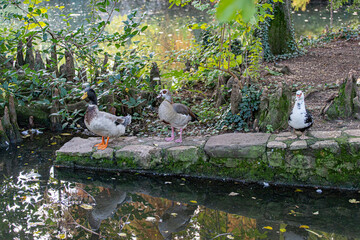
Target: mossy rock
274, 109
343, 106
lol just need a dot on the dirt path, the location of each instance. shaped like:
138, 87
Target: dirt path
319, 71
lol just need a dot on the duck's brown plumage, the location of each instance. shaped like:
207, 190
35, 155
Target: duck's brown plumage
176, 114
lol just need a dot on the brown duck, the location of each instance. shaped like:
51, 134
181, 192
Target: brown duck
176, 114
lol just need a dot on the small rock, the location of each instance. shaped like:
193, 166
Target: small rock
326, 134
298, 145
275, 144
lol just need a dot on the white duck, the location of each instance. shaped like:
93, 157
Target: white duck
176, 114
103, 123
300, 118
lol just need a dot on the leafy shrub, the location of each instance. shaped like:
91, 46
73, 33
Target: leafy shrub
250, 100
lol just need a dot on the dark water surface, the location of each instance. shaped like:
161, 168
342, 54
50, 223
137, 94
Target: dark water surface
39, 201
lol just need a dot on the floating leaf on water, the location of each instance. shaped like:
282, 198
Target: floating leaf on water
353, 201
282, 230
298, 190
303, 226
86, 206
268, 227
174, 214
193, 201
233, 194
150, 219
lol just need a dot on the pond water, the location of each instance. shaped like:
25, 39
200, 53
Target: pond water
39, 201
167, 28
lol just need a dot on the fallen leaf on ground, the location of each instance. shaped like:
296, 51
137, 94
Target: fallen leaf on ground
268, 227
150, 219
193, 201
86, 206
303, 226
174, 214
233, 194
316, 213
298, 190
65, 134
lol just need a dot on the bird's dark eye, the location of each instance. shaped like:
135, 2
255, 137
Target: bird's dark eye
164, 92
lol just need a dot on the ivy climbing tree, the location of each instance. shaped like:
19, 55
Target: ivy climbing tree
278, 34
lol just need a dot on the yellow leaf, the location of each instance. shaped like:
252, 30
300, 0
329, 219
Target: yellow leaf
26, 2
42, 24
61, 236
86, 206
298, 190
174, 214
193, 201
122, 234
203, 26
304, 226
230, 236
268, 227
282, 230
31, 26
43, 10
65, 134
53, 143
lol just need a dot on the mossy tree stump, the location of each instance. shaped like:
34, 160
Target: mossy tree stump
344, 105
274, 108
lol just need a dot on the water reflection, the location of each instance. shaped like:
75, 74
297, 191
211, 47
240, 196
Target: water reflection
41, 202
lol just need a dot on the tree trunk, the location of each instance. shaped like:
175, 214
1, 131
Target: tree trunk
39, 63
29, 58
331, 13
55, 119
278, 37
20, 55
69, 66
13, 118
8, 128
219, 94
4, 140
235, 97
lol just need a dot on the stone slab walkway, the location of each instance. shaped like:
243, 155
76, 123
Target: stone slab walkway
324, 158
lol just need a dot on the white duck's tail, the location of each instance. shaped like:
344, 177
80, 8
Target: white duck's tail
126, 120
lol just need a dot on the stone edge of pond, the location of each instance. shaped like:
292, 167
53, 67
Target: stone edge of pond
323, 158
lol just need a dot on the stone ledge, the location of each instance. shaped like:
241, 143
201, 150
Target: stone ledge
331, 158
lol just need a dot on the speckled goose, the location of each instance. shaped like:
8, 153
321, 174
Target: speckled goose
300, 118
176, 114
103, 123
